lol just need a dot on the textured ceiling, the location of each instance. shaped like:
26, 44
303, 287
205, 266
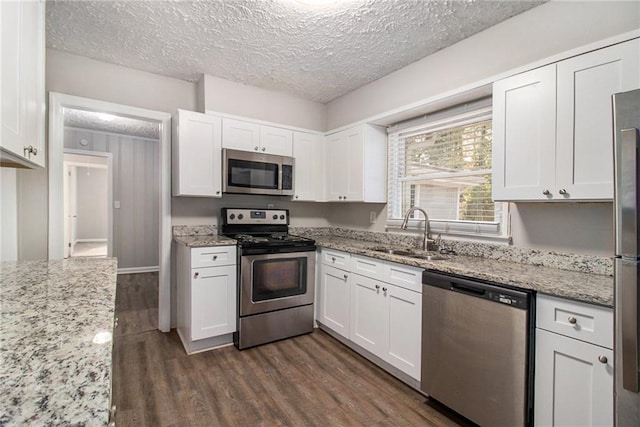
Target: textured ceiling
318, 53
109, 123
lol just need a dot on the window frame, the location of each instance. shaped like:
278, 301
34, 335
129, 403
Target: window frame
475, 111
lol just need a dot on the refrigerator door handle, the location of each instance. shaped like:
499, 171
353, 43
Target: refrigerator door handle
627, 192
627, 287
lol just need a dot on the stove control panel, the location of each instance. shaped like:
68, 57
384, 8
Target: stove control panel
256, 216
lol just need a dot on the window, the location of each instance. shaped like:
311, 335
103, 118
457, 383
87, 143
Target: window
442, 164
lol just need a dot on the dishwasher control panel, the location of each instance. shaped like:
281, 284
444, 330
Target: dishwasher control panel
507, 299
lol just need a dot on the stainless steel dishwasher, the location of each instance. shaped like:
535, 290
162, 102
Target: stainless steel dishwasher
476, 349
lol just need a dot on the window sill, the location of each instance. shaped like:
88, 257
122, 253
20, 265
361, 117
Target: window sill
417, 229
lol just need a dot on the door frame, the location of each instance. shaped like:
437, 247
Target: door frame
57, 103
109, 160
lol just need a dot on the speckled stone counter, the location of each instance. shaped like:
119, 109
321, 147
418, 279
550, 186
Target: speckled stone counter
200, 236
55, 341
576, 285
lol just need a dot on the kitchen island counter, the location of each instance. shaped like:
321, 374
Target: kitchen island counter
56, 345
575, 285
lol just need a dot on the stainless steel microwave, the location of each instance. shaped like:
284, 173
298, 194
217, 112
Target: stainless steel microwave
246, 172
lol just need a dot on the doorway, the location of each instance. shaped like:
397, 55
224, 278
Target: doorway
88, 198
57, 105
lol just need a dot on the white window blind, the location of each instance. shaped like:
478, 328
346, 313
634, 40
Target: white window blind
441, 162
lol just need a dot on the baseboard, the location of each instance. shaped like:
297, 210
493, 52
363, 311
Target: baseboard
90, 241
133, 270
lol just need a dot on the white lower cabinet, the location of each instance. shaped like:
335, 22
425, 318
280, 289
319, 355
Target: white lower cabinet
386, 320
573, 377
333, 310
206, 296
379, 309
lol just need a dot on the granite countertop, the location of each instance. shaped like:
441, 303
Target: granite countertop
55, 341
205, 240
579, 286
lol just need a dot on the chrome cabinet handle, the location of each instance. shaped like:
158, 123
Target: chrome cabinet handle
195, 275
603, 359
562, 191
572, 320
546, 192
30, 150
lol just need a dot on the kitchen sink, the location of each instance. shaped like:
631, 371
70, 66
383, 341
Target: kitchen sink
411, 253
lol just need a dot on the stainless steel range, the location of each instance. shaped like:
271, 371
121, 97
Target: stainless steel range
276, 277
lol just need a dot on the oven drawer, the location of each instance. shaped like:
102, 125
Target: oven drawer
335, 258
213, 256
586, 322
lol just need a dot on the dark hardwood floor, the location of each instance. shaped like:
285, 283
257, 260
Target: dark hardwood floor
311, 380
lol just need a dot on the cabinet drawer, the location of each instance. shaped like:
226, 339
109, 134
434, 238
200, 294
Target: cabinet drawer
335, 258
213, 256
403, 276
369, 267
586, 322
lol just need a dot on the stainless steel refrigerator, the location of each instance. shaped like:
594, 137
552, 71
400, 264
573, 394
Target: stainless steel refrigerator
626, 115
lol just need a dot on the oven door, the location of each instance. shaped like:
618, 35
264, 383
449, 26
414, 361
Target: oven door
271, 282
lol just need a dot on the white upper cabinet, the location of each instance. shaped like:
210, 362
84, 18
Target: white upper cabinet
356, 165
585, 124
524, 111
553, 130
22, 83
249, 136
308, 150
197, 154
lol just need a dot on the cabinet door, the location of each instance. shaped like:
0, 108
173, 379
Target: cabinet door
572, 386
308, 151
197, 155
22, 81
585, 123
524, 134
336, 149
404, 321
240, 135
213, 302
334, 300
276, 141
368, 323
353, 152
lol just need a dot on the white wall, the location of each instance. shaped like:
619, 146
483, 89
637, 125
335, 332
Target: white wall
225, 96
92, 194
549, 29
8, 215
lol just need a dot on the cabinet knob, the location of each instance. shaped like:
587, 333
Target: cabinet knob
296, 196
562, 191
333, 259
346, 277
215, 257
384, 289
115, 323
195, 275
218, 192
256, 148
572, 320
603, 359
546, 192
344, 197
263, 148
377, 286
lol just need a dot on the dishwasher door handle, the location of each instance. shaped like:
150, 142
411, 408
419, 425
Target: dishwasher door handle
467, 289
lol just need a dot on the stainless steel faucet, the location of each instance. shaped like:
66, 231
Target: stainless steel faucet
427, 230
